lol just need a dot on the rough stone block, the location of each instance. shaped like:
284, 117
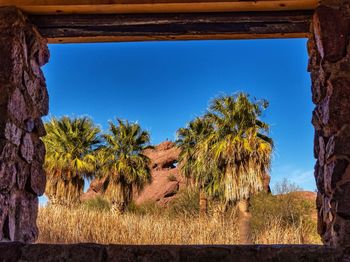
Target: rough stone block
331, 33
342, 196
22, 217
341, 233
8, 174
13, 133
11, 66
4, 210
17, 107
8, 151
37, 180
27, 148
23, 173
334, 172
23, 101
339, 144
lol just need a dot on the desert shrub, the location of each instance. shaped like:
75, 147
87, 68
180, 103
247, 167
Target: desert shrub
285, 212
97, 203
285, 186
186, 203
146, 208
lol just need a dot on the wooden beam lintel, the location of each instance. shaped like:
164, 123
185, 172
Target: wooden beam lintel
42, 7
151, 27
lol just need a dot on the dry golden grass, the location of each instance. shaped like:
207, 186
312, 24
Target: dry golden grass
275, 233
62, 225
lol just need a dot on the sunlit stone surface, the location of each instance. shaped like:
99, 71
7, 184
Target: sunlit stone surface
23, 101
329, 65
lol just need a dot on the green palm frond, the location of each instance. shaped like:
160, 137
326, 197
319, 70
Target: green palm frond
70, 144
228, 151
122, 163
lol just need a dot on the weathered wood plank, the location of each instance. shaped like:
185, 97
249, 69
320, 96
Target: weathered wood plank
146, 27
155, 6
109, 2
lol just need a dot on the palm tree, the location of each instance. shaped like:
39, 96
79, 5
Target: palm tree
70, 145
190, 158
126, 166
242, 150
228, 152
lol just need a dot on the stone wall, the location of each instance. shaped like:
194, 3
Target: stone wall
329, 65
23, 101
93, 252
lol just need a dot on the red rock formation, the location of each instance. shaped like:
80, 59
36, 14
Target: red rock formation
95, 190
166, 177
306, 195
166, 174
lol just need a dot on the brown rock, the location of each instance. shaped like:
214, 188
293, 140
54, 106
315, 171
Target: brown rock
167, 179
22, 217
166, 176
27, 148
334, 172
7, 176
11, 65
29, 125
39, 127
339, 144
319, 177
4, 203
39, 148
162, 187
331, 31
317, 87
13, 133
22, 174
95, 189
37, 179
17, 107
321, 154
342, 197
8, 151
23, 101
163, 156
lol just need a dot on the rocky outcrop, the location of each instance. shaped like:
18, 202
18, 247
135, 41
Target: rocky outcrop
166, 175
23, 101
329, 65
305, 195
95, 189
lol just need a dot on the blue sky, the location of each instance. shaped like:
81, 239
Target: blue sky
163, 85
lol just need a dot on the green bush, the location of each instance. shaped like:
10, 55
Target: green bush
290, 209
149, 207
186, 203
97, 204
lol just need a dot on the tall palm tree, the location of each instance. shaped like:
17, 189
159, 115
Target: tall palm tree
228, 152
126, 166
190, 158
241, 148
70, 145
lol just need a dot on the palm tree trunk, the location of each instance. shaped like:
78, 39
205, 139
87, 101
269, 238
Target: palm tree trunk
127, 196
203, 203
244, 218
